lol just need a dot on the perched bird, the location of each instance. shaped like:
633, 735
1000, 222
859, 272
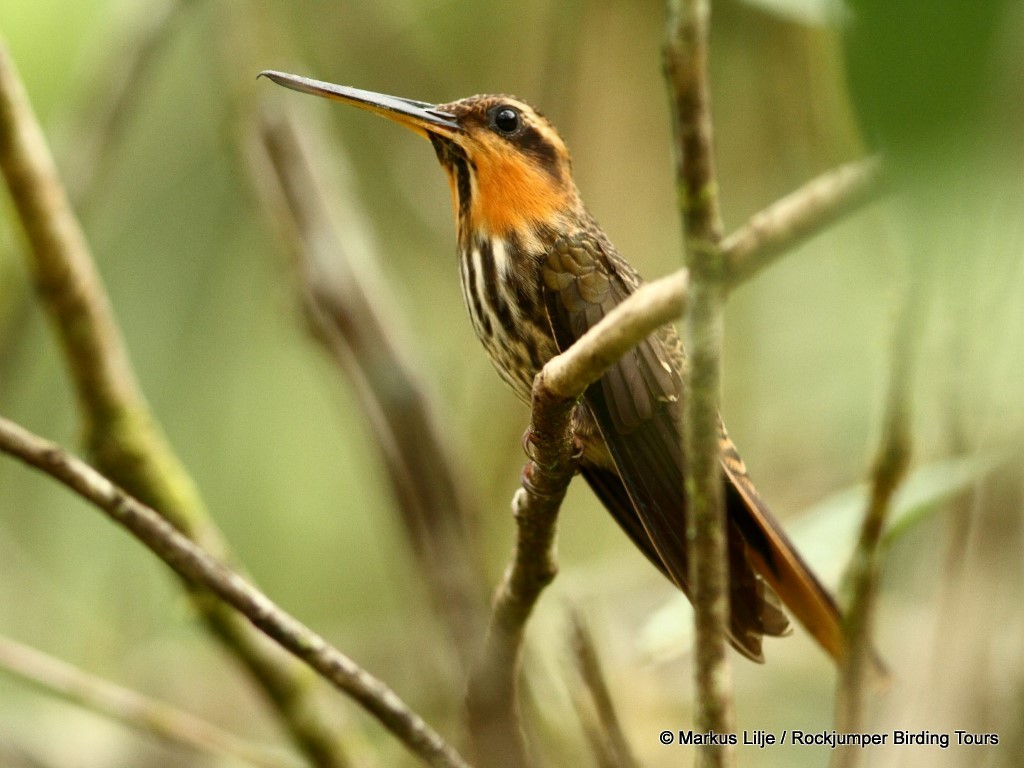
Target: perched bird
537, 271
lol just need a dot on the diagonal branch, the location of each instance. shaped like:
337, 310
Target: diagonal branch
772, 232
130, 708
604, 729
197, 566
119, 432
648, 308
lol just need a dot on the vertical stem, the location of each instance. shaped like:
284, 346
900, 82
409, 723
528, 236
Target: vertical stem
686, 68
705, 512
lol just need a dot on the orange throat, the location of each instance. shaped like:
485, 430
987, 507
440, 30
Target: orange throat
509, 195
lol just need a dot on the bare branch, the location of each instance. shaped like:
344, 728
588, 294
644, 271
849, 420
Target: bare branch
767, 236
146, 715
198, 567
119, 432
607, 737
686, 69
787, 222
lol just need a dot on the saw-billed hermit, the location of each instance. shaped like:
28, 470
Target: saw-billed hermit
537, 272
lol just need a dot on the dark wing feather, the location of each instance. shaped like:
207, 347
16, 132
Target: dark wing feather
635, 406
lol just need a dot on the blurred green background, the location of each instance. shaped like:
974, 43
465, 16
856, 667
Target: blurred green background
202, 286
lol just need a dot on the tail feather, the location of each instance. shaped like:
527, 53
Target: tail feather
776, 559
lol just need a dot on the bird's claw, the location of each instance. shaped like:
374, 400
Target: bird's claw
530, 444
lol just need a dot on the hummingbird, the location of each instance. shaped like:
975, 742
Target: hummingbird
537, 272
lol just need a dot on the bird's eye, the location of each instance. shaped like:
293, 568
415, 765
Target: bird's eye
507, 120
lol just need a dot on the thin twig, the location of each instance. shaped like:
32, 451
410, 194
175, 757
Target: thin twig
686, 69
798, 216
119, 432
201, 568
860, 582
144, 714
607, 737
349, 314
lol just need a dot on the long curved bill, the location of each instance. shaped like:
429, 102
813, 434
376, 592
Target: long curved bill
419, 116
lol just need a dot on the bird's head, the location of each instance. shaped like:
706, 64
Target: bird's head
508, 168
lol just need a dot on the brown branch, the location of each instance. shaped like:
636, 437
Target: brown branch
348, 312
686, 69
772, 232
860, 582
139, 712
119, 432
197, 566
607, 738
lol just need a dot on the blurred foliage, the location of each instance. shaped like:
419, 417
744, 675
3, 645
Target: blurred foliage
919, 71
204, 294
